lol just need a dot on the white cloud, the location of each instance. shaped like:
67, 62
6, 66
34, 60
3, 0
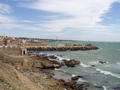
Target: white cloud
4, 8
84, 13
4, 14
8, 22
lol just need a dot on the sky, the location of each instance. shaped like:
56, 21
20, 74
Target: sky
91, 20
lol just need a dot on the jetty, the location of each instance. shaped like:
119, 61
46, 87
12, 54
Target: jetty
86, 47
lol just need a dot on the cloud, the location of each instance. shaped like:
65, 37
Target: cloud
4, 14
4, 8
83, 13
8, 22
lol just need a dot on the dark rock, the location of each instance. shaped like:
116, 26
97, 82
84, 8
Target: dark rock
51, 65
62, 81
83, 86
70, 63
52, 57
71, 84
93, 65
117, 87
76, 77
102, 62
74, 86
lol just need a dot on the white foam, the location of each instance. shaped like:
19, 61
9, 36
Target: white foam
104, 87
57, 69
59, 58
81, 80
73, 75
84, 65
118, 63
94, 62
107, 73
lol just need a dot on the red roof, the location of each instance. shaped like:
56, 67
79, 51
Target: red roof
35, 44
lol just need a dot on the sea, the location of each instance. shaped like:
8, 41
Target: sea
103, 76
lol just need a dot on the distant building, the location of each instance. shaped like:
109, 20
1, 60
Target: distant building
64, 45
35, 44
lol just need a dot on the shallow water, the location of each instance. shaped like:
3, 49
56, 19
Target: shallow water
106, 75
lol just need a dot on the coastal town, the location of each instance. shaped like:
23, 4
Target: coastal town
32, 44
15, 42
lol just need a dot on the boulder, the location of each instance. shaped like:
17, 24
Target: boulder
83, 86
93, 65
52, 57
51, 65
102, 62
76, 78
70, 63
71, 84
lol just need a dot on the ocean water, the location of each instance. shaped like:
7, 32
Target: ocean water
106, 75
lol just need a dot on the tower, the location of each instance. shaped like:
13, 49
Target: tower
4, 36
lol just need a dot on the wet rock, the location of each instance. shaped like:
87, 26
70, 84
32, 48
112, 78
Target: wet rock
98, 86
76, 78
83, 86
52, 57
71, 84
41, 57
70, 63
51, 65
117, 87
102, 62
93, 65
74, 86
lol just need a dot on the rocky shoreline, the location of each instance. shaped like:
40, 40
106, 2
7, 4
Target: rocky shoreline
36, 72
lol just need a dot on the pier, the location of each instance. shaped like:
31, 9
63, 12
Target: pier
26, 49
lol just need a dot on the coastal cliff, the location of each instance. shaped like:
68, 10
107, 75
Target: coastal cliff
34, 72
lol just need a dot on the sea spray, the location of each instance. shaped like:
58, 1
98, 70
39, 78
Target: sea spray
107, 73
84, 65
104, 87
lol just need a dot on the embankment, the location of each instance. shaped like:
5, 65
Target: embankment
61, 48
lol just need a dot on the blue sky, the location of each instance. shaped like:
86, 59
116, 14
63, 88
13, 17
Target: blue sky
96, 20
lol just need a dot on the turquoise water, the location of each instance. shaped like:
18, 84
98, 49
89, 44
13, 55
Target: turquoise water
106, 75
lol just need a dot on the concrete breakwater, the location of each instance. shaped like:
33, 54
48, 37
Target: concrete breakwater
66, 48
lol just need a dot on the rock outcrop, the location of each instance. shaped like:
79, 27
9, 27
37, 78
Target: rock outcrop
76, 78
73, 85
70, 63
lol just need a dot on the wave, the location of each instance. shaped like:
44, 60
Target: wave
73, 75
81, 80
107, 73
118, 63
84, 65
104, 87
58, 57
56, 69
101, 71
61, 58
94, 62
